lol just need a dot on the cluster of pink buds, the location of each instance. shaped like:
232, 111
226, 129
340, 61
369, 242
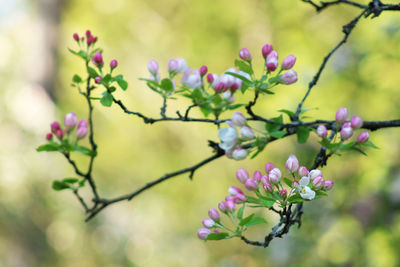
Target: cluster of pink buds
70, 122
346, 128
230, 139
226, 82
90, 39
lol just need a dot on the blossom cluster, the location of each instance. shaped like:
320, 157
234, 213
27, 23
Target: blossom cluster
230, 139
270, 188
70, 122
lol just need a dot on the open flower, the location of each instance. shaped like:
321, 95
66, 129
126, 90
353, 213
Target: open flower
228, 137
305, 191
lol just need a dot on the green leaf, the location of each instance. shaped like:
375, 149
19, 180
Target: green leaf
59, 185
295, 199
347, 146
92, 72
287, 112
84, 150
238, 76
272, 127
82, 183
267, 203
274, 79
217, 236
277, 134
303, 132
166, 85
206, 109
243, 66
124, 84
244, 221
288, 182
252, 200
48, 147
321, 193
231, 107
240, 213
254, 221
107, 99
70, 180
370, 144
112, 89
80, 54
106, 79
359, 150
76, 79
326, 143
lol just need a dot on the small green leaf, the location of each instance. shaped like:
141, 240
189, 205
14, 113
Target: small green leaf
80, 54
274, 79
240, 213
303, 132
231, 107
70, 180
217, 236
48, 147
92, 72
272, 127
288, 182
239, 76
106, 79
107, 99
287, 112
254, 221
84, 150
243, 66
59, 185
277, 134
321, 193
369, 143
347, 146
123, 84
246, 220
76, 79
166, 85
295, 199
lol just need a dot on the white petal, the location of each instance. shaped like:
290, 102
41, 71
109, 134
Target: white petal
304, 181
227, 134
308, 193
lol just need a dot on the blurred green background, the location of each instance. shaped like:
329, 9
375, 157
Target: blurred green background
357, 225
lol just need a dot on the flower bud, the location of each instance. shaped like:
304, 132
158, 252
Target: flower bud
88, 33
221, 206
274, 175
346, 133
182, 66
238, 119
234, 87
283, 193
214, 214
247, 133
295, 184
292, 163
239, 153
341, 115
302, 171
172, 65
314, 173
328, 184
98, 59
54, 126
220, 87
76, 37
322, 131
356, 122
318, 182
94, 39
113, 64
203, 70
90, 40
208, 223
244, 54
216, 231
257, 175
288, 77
251, 184
233, 190
81, 132
264, 179
268, 167
60, 134
202, 233
363, 137
210, 78
288, 62
82, 123
266, 50
239, 198
97, 80
272, 61
70, 121
230, 205
242, 175
268, 187
49, 136
152, 66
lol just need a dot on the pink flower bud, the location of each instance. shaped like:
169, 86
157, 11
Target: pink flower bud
328, 184
341, 115
82, 123
210, 78
283, 193
268, 167
94, 39
238, 119
202, 233
230, 205
220, 87
97, 80
322, 131
266, 50
182, 66
230, 197
257, 175
152, 66
88, 33
233, 190
214, 214
203, 70
221, 206
234, 87
208, 223
356, 122
239, 153
244, 54
247, 133
268, 187
264, 179
60, 134
239, 198
314, 173
216, 231
363, 137
173, 65
242, 175
98, 59
76, 37
113, 64
346, 133
295, 184
274, 175
318, 182
272, 61
81, 132
288, 77
90, 40
302, 171
288, 62
54, 126
49, 136
251, 184
70, 121
292, 163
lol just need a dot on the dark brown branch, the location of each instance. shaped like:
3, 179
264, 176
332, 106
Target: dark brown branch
324, 5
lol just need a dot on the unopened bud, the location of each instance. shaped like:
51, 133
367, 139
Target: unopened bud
238, 119
346, 133
322, 131
247, 133
113, 64
268, 167
288, 62
81, 132
220, 87
97, 80
239, 153
292, 163
98, 59
202, 233
283, 193
152, 66
239, 198
251, 184
234, 87
210, 78
76, 37
242, 175
274, 175
70, 121
230, 205
203, 70
314, 173
341, 115
55, 126
208, 223
266, 50
288, 77
244, 54
233, 190
356, 122
214, 214
363, 137
328, 184
60, 134
257, 175
272, 61
302, 171
268, 187
49, 136
318, 182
